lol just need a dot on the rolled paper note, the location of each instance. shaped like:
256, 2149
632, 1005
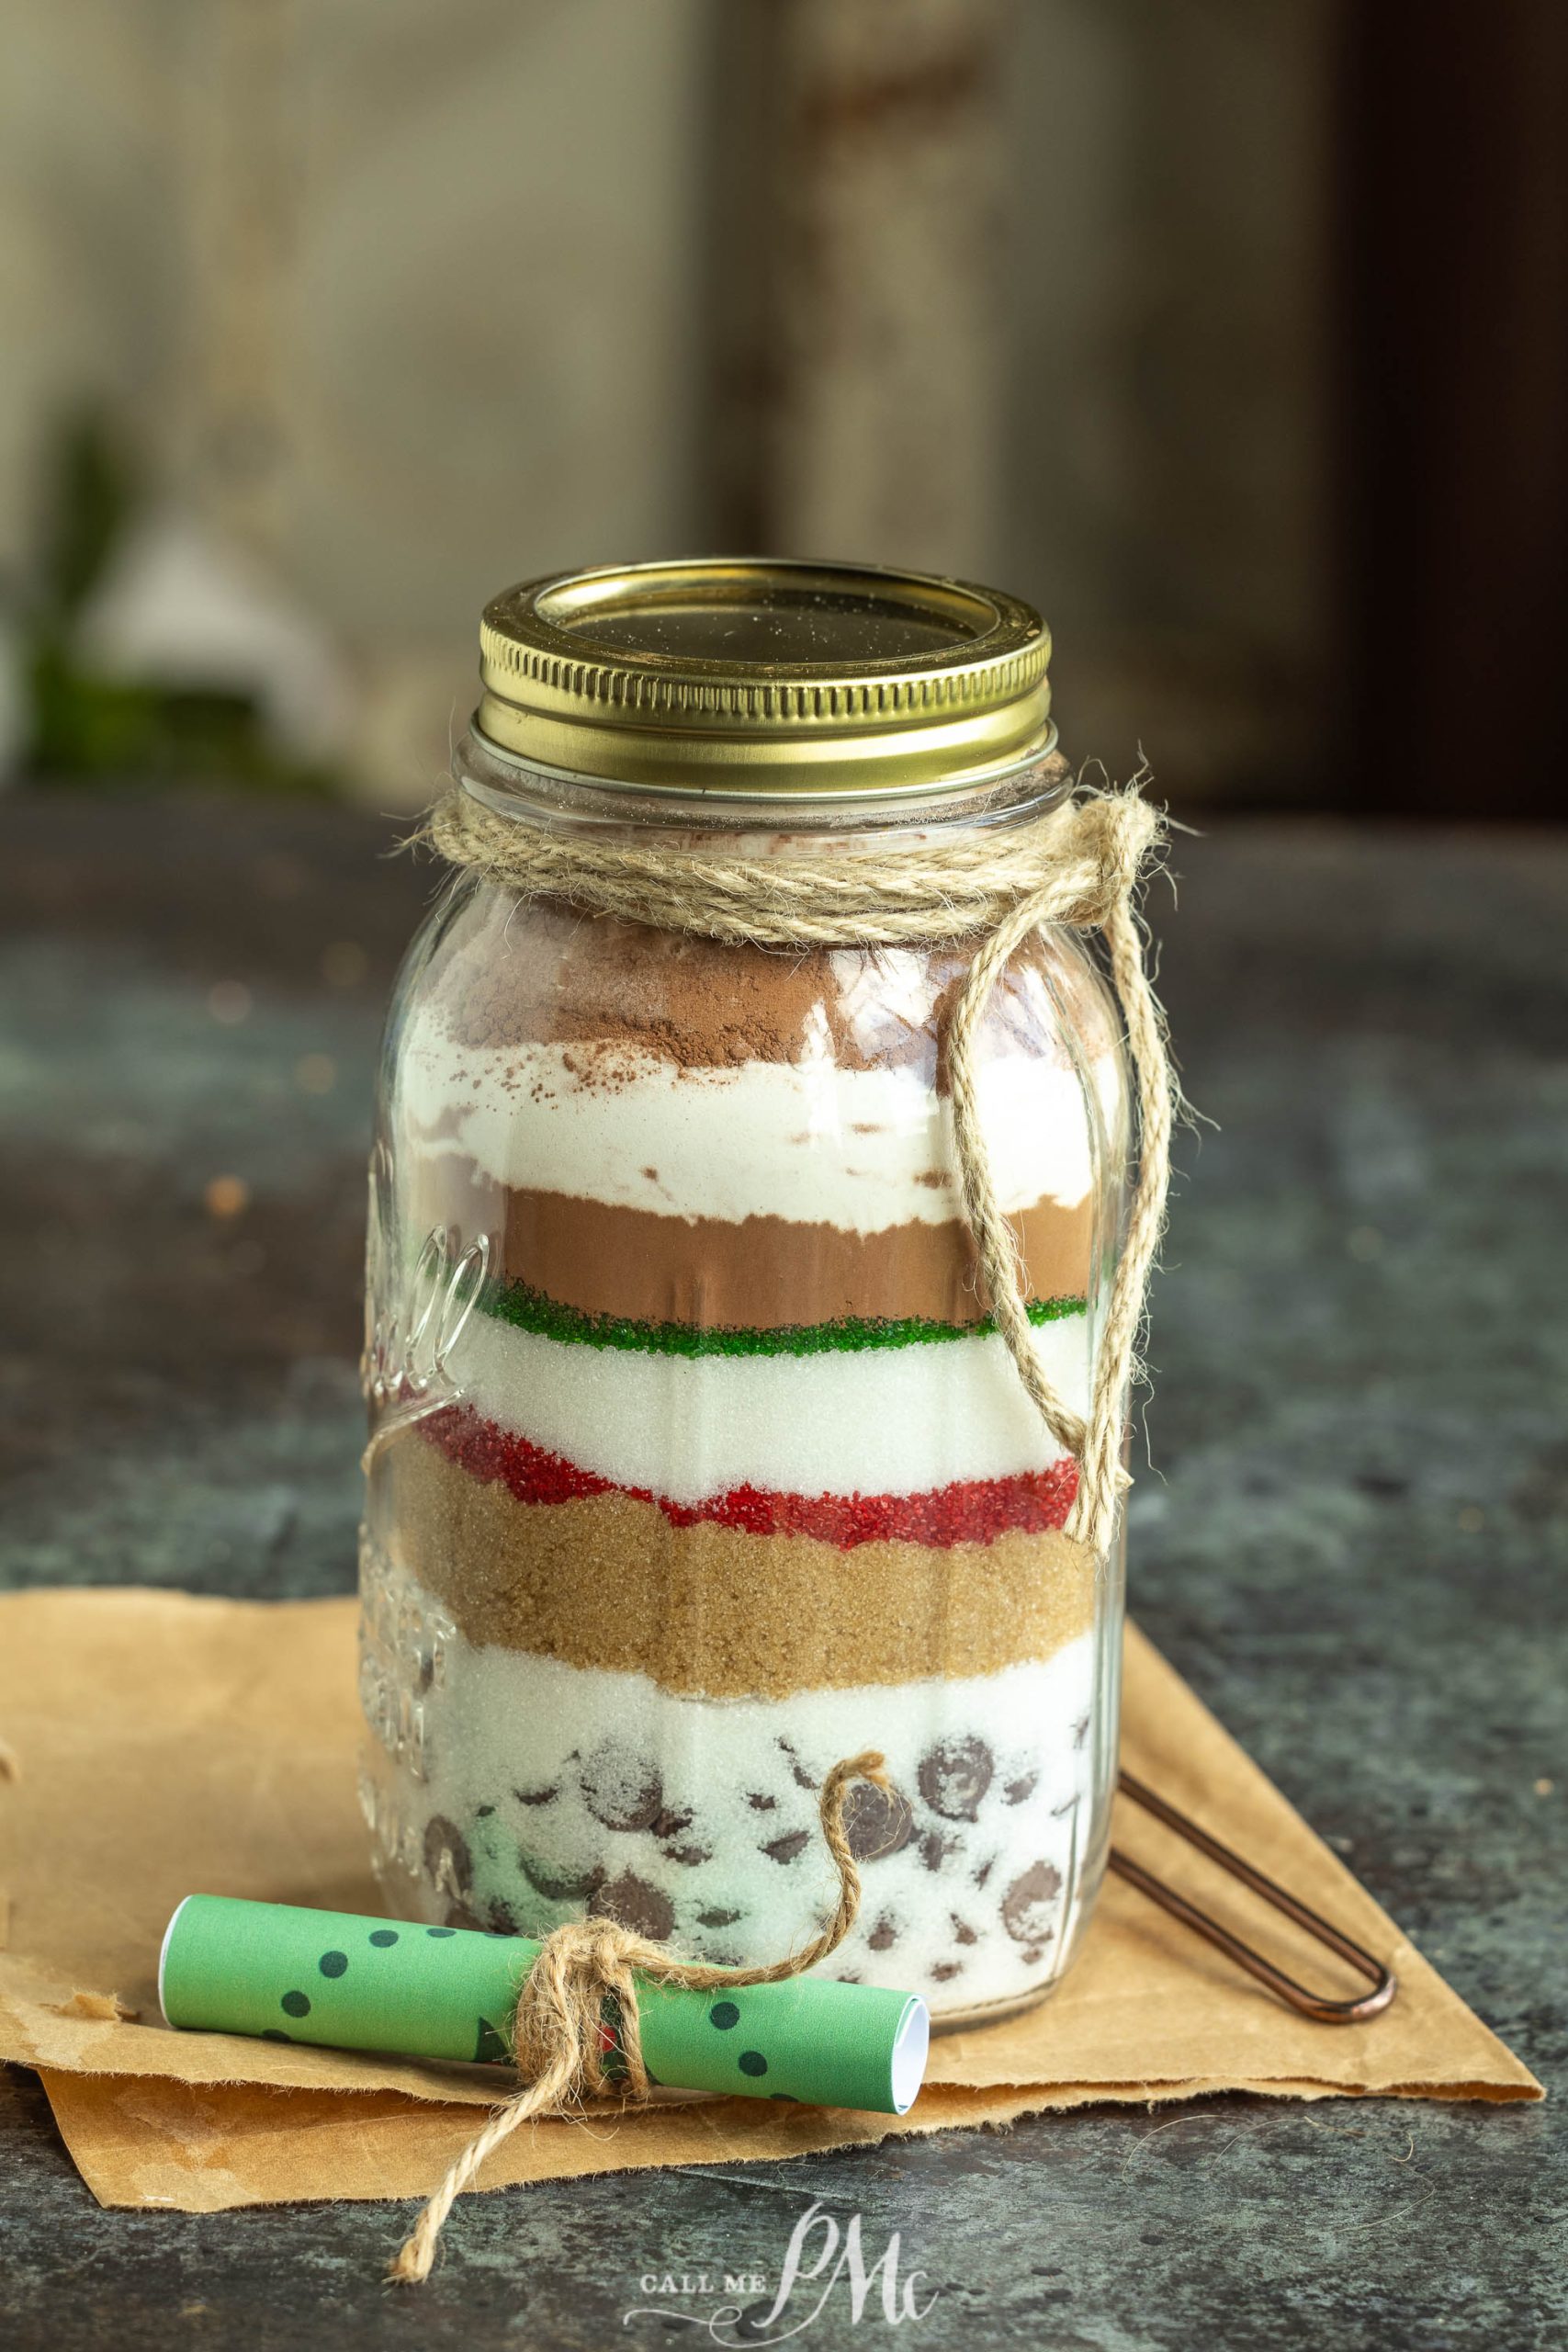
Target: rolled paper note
287, 1974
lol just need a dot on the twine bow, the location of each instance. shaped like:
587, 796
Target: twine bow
1089, 885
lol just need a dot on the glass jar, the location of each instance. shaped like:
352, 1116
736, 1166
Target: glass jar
696, 1463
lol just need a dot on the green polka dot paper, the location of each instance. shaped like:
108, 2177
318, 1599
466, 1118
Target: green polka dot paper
285, 1974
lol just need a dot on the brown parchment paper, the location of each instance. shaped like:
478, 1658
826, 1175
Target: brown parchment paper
163, 1744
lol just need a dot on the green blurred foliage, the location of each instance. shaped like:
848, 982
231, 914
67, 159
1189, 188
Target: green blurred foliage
87, 730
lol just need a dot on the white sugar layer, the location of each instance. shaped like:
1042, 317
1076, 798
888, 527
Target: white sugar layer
872, 1421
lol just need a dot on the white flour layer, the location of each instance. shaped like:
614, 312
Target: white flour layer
861, 1149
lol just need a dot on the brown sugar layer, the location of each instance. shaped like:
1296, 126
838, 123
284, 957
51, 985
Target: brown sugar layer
608, 1582
756, 1274
561, 977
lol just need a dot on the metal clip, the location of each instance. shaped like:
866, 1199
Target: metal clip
1311, 2005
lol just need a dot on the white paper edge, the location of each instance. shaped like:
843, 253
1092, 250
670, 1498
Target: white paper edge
911, 2048
164, 1954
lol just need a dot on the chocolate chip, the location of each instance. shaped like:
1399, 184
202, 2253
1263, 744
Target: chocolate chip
953, 1777
483, 1811
688, 1855
876, 1821
1033, 1953
1028, 1902
786, 1849
620, 1788
763, 1805
539, 1796
803, 1779
935, 1848
884, 1936
670, 1824
944, 1971
984, 1872
1016, 1791
637, 1905
501, 1920
448, 1863
558, 1885
717, 1918
963, 1933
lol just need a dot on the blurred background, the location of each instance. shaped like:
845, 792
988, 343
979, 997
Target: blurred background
1233, 333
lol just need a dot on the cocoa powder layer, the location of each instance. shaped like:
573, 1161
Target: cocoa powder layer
760, 1273
551, 975
709, 1610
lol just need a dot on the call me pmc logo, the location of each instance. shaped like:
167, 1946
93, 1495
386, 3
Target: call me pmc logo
811, 2276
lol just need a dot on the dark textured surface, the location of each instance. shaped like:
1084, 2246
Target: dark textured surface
1352, 1543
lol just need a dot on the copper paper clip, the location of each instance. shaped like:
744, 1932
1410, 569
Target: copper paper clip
1311, 2005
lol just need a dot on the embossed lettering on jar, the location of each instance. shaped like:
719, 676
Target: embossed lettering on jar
696, 1461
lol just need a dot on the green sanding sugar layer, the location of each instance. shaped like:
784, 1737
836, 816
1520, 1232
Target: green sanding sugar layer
331, 1978
533, 1310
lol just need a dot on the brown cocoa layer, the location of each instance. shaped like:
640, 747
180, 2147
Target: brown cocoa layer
758, 1273
609, 1583
557, 977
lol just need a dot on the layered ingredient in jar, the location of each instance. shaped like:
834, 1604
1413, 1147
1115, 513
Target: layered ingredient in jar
726, 1473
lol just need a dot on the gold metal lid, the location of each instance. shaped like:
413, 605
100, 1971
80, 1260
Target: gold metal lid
766, 680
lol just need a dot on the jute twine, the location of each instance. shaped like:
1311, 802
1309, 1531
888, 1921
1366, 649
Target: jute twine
559, 2039
1077, 865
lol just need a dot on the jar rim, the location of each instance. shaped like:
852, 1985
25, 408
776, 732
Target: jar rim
528, 791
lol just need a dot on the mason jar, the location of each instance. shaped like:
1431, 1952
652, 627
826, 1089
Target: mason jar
698, 1463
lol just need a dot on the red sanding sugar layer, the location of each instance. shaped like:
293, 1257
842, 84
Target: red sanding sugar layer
968, 1511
